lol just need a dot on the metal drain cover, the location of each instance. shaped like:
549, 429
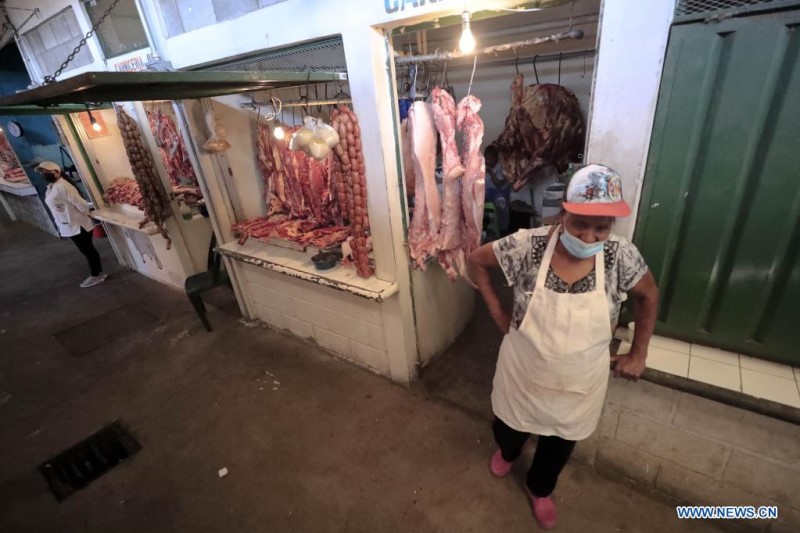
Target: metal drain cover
86, 461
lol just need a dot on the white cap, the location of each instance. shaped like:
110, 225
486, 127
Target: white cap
48, 165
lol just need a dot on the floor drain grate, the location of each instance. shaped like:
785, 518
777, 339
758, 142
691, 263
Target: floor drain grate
86, 461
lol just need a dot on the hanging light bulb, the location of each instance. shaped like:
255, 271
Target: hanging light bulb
278, 132
93, 121
467, 42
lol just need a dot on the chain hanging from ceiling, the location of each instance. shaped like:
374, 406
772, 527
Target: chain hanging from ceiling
50, 79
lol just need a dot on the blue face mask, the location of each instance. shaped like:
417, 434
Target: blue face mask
578, 248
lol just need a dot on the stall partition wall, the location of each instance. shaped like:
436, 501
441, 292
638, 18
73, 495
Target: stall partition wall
139, 250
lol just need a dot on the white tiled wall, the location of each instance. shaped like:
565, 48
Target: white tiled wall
30, 209
348, 325
751, 376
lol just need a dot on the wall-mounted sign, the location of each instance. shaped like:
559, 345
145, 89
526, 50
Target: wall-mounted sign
132, 64
393, 6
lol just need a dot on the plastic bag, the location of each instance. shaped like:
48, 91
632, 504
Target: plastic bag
217, 141
314, 138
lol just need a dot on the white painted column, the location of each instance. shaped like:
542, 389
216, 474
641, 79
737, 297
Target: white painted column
373, 94
631, 49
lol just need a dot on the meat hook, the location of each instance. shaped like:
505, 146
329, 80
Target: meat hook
559, 68
474, 64
536, 72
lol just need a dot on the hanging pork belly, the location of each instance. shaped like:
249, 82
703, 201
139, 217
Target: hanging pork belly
543, 127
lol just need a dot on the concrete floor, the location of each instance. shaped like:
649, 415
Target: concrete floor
332, 449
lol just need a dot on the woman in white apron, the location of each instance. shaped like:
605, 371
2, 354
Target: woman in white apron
552, 371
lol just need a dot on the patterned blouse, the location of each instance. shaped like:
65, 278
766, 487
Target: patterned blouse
520, 256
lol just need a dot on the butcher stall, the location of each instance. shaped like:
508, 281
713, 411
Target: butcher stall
156, 223
287, 180
146, 185
522, 86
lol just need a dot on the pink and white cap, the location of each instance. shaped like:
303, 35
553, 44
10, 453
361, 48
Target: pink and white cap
596, 191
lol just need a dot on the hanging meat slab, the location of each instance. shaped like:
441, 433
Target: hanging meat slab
451, 233
423, 232
298, 195
172, 150
408, 161
473, 188
543, 127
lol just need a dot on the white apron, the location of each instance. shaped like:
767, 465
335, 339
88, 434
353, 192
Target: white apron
552, 372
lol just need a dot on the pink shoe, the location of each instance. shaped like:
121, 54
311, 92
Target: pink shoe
544, 510
498, 466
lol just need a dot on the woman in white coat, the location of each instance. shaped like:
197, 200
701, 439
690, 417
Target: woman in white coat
71, 214
552, 372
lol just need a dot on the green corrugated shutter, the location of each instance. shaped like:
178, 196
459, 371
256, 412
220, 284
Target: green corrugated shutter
719, 221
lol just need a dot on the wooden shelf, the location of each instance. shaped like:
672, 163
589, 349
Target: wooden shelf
299, 265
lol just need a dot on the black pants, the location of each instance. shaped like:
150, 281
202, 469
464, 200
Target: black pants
551, 455
83, 241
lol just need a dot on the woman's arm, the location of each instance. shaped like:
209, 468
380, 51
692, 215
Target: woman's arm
478, 265
74, 197
645, 309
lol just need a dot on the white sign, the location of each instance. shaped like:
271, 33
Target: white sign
393, 6
132, 64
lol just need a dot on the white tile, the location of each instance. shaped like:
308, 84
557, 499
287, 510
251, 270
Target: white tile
281, 256
668, 361
332, 341
376, 337
715, 373
361, 309
281, 302
766, 367
371, 357
770, 387
299, 328
353, 329
276, 319
623, 334
797, 375
270, 316
670, 344
715, 354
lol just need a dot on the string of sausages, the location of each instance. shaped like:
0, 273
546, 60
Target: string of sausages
351, 185
157, 208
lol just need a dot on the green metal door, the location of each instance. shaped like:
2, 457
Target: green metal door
719, 222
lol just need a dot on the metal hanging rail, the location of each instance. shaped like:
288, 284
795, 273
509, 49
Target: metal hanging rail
540, 58
303, 103
449, 56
